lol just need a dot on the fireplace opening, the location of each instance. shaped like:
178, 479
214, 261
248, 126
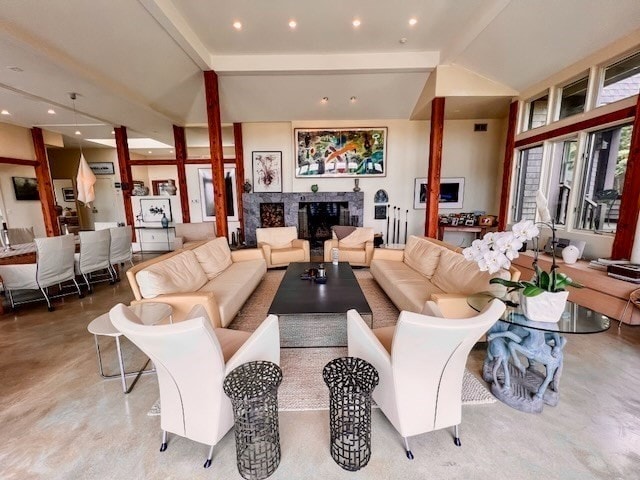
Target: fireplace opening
271, 215
315, 220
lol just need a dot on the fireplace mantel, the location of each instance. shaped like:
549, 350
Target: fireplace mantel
251, 207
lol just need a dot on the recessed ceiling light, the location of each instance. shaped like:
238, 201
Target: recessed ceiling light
353, 99
113, 132
237, 25
403, 40
293, 24
413, 21
355, 23
78, 132
15, 69
324, 100
4, 112
149, 151
170, 151
51, 111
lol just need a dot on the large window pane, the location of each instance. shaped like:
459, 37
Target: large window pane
564, 162
573, 98
601, 189
537, 112
621, 80
528, 172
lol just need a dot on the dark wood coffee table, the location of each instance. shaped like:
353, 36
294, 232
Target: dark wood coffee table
315, 315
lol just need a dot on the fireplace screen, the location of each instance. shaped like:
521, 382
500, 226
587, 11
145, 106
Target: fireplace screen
315, 220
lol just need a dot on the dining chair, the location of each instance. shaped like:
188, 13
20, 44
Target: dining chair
19, 235
120, 250
54, 266
421, 364
192, 360
94, 257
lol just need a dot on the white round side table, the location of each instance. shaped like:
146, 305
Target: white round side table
150, 313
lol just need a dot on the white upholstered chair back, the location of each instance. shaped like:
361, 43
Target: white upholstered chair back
191, 369
55, 260
420, 387
120, 248
94, 251
193, 232
20, 235
277, 236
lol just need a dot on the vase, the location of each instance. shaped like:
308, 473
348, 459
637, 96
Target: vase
164, 221
546, 307
170, 187
570, 254
356, 181
314, 188
247, 186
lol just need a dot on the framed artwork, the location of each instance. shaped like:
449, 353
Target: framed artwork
68, 195
156, 185
25, 188
152, 209
267, 171
102, 168
451, 193
340, 152
206, 194
379, 212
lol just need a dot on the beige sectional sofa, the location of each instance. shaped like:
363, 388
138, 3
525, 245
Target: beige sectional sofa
205, 273
431, 270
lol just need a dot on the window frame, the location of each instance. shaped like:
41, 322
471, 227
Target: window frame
559, 89
524, 127
601, 71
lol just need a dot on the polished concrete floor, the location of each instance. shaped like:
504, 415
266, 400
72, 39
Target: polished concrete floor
59, 419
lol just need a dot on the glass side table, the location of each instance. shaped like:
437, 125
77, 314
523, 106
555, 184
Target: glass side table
529, 387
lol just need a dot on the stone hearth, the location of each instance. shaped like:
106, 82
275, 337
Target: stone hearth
291, 201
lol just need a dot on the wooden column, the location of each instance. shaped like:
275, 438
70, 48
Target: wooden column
43, 175
215, 144
237, 143
435, 163
630, 203
507, 168
126, 178
181, 158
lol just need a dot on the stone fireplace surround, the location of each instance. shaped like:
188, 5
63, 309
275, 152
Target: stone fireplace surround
251, 207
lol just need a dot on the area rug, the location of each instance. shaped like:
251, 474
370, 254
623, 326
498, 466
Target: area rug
302, 386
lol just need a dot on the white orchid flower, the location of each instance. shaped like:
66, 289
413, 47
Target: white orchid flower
476, 251
525, 230
508, 244
493, 261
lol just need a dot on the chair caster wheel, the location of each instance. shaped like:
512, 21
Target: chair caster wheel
51, 309
207, 464
457, 442
409, 455
163, 447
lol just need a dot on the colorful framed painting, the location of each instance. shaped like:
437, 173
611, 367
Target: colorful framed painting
340, 152
206, 194
267, 171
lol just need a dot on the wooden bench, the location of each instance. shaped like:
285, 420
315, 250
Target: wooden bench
601, 293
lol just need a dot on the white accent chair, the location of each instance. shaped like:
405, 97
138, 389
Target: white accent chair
20, 235
190, 233
120, 250
192, 359
356, 248
281, 246
421, 364
94, 257
54, 266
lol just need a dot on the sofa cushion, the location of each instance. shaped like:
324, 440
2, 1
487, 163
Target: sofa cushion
286, 255
233, 286
352, 255
422, 255
177, 274
214, 257
456, 274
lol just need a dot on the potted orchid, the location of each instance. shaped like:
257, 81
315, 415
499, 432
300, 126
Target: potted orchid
542, 298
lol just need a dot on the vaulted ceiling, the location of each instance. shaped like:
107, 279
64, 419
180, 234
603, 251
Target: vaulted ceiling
139, 63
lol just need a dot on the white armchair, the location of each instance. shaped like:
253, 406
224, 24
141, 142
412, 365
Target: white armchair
54, 265
94, 256
356, 248
281, 246
189, 233
192, 359
421, 364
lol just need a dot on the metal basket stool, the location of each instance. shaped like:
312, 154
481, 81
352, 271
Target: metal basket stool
253, 390
351, 381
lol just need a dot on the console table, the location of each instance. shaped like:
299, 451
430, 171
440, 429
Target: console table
142, 236
479, 230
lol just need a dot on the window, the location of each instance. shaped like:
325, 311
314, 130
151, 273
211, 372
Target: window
564, 161
573, 98
603, 178
621, 80
537, 112
528, 171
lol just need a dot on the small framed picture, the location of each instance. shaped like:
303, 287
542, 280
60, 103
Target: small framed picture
486, 220
380, 212
469, 222
68, 195
454, 221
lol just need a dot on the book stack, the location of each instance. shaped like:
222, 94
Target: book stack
629, 272
604, 263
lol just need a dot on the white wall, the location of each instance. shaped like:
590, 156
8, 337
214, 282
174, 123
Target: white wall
475, 156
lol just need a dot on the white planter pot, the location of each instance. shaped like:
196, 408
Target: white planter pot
546, 307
